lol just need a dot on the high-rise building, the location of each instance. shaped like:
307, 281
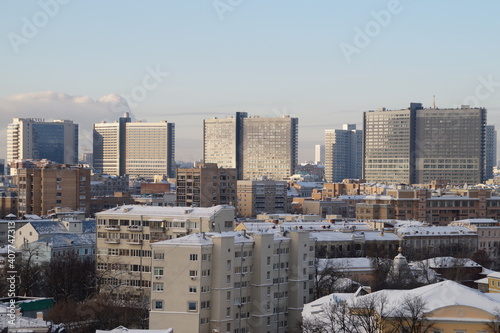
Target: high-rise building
490, 154
319, 154
222, 141
109, 146
261, 196
418, 145
135, 148
270, 147
343, 153
42, 189
33, 138
232, 282
257, 147
206, 185
125, 233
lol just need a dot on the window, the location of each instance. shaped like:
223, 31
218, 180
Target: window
228, 312
193, 273
192, 289
157, 286
158, 271
268, 275
158, 304
159, 255
191, 306
228, 295
193, 257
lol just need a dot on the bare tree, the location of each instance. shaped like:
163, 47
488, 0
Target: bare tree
369, 313
493, 326
327, 274
30, 272
410, 316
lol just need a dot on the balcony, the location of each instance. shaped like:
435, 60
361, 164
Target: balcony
134, 241
112, 241
112, 227
134, 228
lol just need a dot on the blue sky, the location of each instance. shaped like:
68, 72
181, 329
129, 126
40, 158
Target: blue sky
268, 58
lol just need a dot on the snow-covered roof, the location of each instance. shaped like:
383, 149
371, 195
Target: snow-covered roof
495, 275
352, 197
48, 227
482, 281
185, 212
325, 236
439, 295
435, 230
68, 240
346, 264
20, 322
448, 262
122, 329
32, 217
477, 221
318, 306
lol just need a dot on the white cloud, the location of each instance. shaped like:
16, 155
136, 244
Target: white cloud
51, 105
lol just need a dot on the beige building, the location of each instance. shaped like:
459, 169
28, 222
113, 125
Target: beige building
124, 235
206, 185
261, 196
55, 185
232, 282
135, 148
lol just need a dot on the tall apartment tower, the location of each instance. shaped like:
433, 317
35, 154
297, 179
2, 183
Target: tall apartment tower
125, 235
135, 148
222, 140
33, 138
490, 154
206, 185
319, 154
343, 153
418, 145
257, 147
232, 282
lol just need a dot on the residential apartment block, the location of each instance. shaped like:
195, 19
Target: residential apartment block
55, 185
135, 148
206, 185
343, 153
418, 145
34, 138
257, 147
125, 233
232, 282
490, 154
261, 196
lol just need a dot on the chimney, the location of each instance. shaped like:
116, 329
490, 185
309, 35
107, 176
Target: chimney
39, 315
18, 312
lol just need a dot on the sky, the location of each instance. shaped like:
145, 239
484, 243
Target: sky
323, 61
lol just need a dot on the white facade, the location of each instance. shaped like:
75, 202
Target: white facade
343, 154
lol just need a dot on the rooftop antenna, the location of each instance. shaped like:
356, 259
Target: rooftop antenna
433, 101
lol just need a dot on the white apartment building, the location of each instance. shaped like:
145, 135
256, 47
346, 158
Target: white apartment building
232, 282
343, 153
125, 235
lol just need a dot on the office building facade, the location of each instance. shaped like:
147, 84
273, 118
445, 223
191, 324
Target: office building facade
261, 196
135, 148
33, 138
418, 145
319, 154
343, 153
206, 185
257, 147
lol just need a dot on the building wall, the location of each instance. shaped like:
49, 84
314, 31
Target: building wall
270, 147
343, 153
490, 154
257, 197
43, 189
206, 186
254, 283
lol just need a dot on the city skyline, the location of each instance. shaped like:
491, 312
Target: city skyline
325, 63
